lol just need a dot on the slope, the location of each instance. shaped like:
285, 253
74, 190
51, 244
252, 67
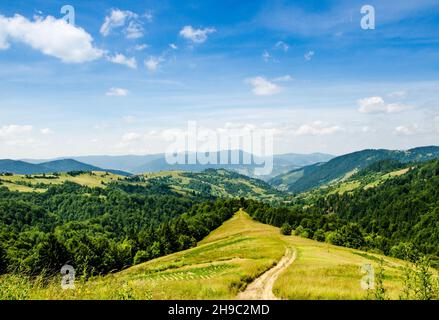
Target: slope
226, 261
343, 167
62, 165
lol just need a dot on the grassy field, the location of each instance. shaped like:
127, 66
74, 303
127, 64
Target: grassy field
34, 183
223, 264
324, 271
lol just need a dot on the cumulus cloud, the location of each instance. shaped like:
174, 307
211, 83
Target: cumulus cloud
129, 21
117, 92
152, 63
309, 55
52, 37
196, 35
16, 135
263, 87
122, 59
376, 104
317, 128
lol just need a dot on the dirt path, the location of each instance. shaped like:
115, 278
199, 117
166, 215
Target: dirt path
262, 288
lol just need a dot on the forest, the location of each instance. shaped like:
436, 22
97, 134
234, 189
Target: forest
393, 218
99, 230
105, 229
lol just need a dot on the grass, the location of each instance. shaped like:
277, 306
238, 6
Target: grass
324, 271
93, 179
222, 265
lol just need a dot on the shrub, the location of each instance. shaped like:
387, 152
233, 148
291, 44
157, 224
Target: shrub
286, 229
319, 235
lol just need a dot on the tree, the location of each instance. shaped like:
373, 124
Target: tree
3, 262
51, 255
319, 235
286, 229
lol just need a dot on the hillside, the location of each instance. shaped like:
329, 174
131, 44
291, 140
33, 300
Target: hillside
210, 183
343, 167
153, 163
224, 263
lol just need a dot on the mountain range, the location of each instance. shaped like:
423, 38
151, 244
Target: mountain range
342, 167
63, 165
137, 164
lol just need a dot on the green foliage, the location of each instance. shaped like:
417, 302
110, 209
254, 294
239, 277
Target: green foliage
98, 231
380, 291
286, 229
319, 235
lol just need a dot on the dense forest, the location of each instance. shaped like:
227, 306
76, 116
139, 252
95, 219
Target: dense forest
400, 214
99, 230
104, 229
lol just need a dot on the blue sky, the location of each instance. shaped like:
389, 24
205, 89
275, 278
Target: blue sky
129, 72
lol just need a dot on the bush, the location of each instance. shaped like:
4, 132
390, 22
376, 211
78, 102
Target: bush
286, 229
141, 256
319, 235
299, 231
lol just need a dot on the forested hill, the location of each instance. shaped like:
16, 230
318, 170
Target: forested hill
316, 175
99, 230
403, 209
398, 216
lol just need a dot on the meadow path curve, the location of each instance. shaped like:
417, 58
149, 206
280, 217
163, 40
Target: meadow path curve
262, 287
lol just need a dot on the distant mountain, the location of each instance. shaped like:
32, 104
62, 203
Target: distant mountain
157, 162
21, 167
64, 165
315, 175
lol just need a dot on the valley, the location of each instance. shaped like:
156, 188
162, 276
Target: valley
219, 234
226, 262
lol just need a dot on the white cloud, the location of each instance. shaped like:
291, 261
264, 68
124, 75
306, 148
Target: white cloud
282, 45
309, 55
53, 37
407, 130
266, 56
376, 104
117, 92
128, 20
134, 30
263, 87
284, 78
173, 46
16, 135
196, 35
14, 129
46, 131
317, 128
148, 16
152, 63
140, 47
122, 59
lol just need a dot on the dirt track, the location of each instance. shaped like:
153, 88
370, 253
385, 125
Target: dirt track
262, 287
